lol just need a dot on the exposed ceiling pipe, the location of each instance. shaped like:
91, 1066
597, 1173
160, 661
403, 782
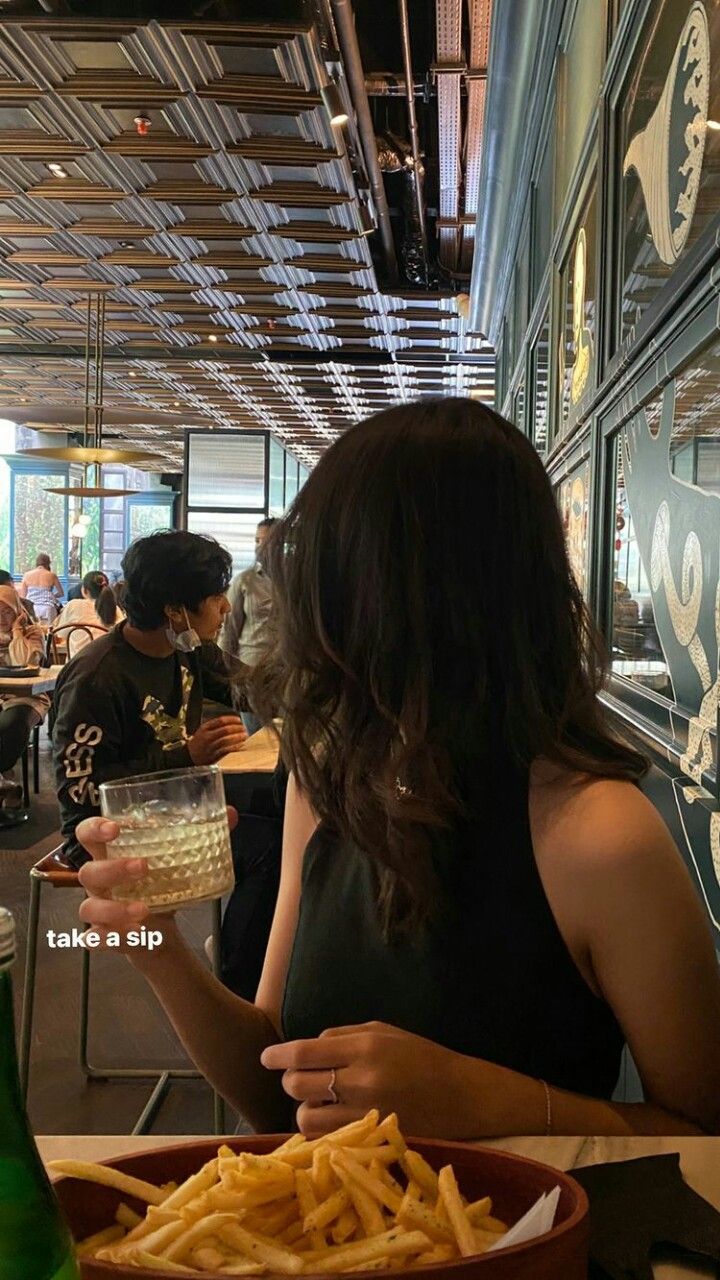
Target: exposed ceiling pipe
350, 51
514, 41
412, 122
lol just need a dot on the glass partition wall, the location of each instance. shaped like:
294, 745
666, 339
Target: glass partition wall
233, 480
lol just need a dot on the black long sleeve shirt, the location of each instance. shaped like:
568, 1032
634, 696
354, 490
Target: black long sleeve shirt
119, 713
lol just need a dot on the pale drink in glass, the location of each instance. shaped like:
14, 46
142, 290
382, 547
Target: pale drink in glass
176, 821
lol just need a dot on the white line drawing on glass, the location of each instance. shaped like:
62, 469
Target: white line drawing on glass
677, 525
668, 153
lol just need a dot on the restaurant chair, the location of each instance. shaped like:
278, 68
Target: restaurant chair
59, 654
53, 870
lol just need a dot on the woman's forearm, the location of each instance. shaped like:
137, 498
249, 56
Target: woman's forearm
511, 1103
223, 1035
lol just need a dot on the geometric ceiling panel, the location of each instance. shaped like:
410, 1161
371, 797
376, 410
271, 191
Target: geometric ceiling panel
211, 229
189, 192
70, 191
162, 284
262, 94
117, 88
138, 258
236, 147
158, 145
15, 91
36, 144
325, 262
422, 313
284, 151
45, 258
23, 227
300, 195
111, 229
318, 232
340, 290
342, 313
228, 260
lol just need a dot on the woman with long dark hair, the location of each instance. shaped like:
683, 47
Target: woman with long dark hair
478, 906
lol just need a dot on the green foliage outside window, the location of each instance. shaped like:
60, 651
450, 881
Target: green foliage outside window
4, 515
147, 518
39, 521
91, 541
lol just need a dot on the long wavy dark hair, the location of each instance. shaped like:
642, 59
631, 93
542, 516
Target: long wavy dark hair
428, 629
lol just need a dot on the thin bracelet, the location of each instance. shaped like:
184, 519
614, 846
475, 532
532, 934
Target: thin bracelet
548, 1109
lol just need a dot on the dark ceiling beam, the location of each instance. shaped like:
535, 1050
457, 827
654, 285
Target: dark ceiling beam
278, 355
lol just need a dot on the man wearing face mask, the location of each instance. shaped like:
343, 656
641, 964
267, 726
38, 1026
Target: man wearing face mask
131, 702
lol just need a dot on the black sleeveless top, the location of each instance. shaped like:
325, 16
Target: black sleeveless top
491, 977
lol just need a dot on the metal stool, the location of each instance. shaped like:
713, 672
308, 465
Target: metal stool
53, 870
26, 767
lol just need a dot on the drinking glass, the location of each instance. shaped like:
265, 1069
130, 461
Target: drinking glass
177, 821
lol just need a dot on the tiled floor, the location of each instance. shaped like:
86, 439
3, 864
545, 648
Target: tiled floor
127, 1026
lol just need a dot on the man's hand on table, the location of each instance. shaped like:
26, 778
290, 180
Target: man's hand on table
216, 738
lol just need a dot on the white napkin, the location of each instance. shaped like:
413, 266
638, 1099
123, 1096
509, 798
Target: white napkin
535, 1222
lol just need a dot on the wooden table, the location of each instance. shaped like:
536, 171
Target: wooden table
699, 1158
44, 682
258, 755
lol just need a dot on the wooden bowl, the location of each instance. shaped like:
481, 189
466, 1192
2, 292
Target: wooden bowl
513, 1182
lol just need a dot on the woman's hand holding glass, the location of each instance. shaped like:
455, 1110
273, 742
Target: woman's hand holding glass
100, 912
101, 876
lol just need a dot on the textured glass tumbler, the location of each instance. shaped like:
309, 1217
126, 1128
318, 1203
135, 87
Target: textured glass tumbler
177, 821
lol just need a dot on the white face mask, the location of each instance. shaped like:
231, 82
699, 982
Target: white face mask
184, 641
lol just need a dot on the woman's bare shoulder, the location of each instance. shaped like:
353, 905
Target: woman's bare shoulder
607, 861
588, 816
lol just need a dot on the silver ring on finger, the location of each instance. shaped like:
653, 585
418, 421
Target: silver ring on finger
332, 1094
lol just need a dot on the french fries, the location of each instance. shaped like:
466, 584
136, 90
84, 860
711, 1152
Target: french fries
355, 1200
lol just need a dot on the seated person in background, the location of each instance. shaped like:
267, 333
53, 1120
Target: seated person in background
21, 645
7, 580
96, 609
42, 588
131, 702
478, 906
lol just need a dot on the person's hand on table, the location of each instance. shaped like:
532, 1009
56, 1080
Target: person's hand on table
99, 877
216, 738
433, 1090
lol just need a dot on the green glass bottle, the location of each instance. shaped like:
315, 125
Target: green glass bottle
35, 1242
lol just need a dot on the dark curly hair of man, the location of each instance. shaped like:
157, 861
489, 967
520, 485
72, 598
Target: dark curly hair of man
175, 568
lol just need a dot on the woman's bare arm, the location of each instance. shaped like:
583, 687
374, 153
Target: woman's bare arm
632, 918
223, 1034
